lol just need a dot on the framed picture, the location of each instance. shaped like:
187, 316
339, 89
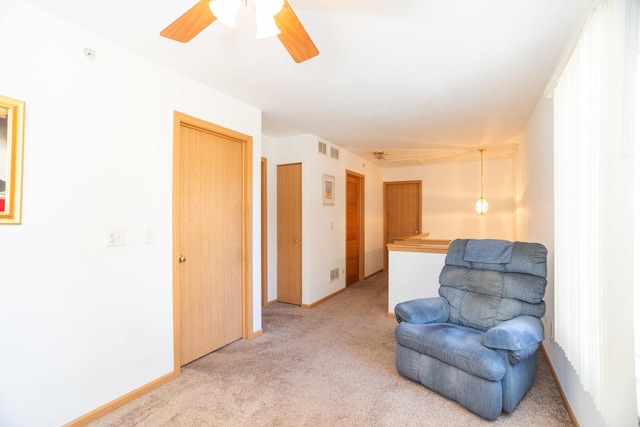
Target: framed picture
328, 189
11, 136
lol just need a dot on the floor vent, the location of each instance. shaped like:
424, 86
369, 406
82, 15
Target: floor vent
322, 147
335, 274
335, 153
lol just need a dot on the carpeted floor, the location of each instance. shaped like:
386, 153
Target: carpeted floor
333, 365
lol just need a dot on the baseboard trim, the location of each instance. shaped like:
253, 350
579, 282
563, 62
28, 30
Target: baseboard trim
374, 273
320, 301
256, 334
555, 378
122, 400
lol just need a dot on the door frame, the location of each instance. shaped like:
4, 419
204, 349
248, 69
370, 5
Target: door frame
179, 120
264, 243
361, 217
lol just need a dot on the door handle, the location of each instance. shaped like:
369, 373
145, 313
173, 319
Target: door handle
295, 240
182, 259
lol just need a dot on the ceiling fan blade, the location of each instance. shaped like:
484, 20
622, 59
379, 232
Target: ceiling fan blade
190, 23
293, 36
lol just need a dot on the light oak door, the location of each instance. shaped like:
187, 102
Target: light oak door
402, 211
208, 238
354, 248
290, 233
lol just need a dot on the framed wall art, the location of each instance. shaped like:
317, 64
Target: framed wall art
328, 189
11, 149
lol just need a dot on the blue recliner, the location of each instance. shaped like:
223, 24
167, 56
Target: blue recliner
478, 342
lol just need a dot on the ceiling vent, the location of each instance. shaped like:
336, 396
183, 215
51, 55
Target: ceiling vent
322, 148
415, 161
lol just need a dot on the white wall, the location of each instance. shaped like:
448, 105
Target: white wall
81, 323
323, 245
449, 194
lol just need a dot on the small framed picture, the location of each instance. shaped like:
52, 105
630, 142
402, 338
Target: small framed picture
11, 150
328, 189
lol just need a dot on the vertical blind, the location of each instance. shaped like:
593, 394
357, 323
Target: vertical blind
588, 106
577, 132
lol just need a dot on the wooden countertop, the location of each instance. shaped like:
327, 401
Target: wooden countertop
419, 243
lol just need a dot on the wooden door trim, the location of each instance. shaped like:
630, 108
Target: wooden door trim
384, 211
264, 270
179, 120
361, 179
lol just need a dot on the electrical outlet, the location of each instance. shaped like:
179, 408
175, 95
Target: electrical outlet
150, 236
115, 237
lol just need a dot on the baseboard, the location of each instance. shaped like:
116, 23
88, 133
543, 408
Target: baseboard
122, 400
320, 301
391, 315
373, 274
255, 334
555, 378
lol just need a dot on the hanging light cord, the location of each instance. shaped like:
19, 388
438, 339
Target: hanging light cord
481, 174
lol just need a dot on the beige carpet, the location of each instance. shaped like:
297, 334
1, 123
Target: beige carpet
333, 365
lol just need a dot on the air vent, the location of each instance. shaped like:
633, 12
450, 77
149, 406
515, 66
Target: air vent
407, 162
335, 274
322, 148
335, 153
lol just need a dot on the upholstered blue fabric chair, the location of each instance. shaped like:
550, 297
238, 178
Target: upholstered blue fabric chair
478, 342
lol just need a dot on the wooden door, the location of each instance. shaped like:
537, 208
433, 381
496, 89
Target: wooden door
354, 229
402, 210
210, 238
290, 233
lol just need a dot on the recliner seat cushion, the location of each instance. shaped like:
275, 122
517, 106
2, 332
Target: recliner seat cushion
454, 345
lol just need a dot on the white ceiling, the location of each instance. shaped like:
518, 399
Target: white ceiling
432, 80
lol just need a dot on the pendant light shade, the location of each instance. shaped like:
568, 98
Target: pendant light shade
482, 206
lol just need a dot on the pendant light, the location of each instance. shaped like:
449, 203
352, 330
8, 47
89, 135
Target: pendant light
482, 206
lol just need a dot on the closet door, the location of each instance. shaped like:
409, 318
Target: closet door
290, 233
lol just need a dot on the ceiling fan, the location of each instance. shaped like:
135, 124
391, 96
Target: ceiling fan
292, 34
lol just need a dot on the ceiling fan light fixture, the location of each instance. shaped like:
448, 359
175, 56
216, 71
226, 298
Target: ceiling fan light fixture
270, 7
225, 11
266, 26
266, 10
380, 154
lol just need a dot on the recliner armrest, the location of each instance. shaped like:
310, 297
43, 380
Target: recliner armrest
516, 334
520, 337
423, 310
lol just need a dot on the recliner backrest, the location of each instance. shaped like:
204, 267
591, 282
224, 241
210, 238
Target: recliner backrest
489, 281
